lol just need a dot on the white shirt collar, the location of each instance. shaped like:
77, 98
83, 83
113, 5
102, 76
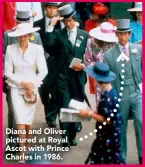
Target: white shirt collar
126, 46
47, 19
74, 30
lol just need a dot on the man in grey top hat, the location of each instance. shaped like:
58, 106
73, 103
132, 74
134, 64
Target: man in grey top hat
66, 44
22, 16
125, 59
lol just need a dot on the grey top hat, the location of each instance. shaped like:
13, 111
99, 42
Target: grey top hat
66, 11
123, 25
23, 16
51, 4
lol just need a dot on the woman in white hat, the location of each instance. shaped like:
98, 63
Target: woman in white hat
136, 24
21, 62
102, 38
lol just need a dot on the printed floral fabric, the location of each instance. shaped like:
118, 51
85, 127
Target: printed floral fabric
106, 148
92, 55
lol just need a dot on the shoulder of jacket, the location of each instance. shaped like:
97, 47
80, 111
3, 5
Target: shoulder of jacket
111, 49
84, 33
12, 46
39, 22
133, 45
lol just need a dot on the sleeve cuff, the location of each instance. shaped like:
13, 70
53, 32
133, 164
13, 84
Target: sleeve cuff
50, 28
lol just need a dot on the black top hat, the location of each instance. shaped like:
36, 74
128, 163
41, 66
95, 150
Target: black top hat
66, 11
123, 25
56, 4
101, 72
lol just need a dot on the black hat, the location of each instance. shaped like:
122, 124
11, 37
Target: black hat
56, 4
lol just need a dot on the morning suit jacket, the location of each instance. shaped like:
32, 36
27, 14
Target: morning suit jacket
41, 24
58, 43
135, 52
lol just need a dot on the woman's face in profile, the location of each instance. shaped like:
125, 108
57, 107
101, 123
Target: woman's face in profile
24, 39
138, 15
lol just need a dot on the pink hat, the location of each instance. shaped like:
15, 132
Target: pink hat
105, 32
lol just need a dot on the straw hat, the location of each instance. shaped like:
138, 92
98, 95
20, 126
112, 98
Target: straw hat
105, 32
137, 7
23, 29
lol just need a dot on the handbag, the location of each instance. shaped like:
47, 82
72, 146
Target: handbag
30, 100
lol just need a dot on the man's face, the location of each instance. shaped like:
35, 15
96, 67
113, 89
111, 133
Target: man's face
123, 37
69, 23
51, 11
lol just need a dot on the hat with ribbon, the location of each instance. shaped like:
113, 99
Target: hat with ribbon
23, 29
123, 25
100, 9
66, 11
100, 72
137, 7
22, 16
105, 32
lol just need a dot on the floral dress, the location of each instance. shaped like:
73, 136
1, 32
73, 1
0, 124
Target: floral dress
106, 148
92, 55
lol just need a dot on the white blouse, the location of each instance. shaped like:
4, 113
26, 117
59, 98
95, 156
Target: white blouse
20, 68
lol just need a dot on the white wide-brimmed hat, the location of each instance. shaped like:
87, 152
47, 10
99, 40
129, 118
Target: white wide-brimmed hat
23, 29
137, 7
105, 32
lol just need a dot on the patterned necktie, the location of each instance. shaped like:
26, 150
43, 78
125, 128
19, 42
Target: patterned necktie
49, 22
125, 51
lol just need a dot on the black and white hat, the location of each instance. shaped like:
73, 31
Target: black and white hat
23, 16
66, 11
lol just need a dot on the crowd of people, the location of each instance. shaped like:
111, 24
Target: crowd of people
37, 56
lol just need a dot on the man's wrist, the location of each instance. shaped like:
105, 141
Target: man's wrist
83, 65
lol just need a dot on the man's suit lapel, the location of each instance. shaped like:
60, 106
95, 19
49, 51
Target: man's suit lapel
117, 53
43, 25
65, 36
132, 57
77, 39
